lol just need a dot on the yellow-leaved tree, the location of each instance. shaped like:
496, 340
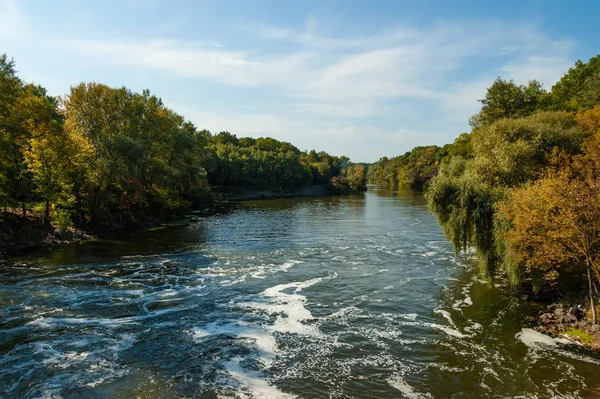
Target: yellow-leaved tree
554, 223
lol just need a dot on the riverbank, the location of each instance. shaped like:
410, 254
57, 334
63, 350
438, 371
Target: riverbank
18, 234
239, 194
557, 321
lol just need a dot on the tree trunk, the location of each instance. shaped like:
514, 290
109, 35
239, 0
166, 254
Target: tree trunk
24, 210
594, 318
47, 220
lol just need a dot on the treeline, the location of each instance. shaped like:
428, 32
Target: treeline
100, 156
268, 163
417, 167
526, 195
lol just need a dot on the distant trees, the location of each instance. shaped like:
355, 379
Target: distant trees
351, 179
413, 169
268, 163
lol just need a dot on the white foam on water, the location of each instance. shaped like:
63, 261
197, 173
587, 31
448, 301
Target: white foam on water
287, 265
343, 315
409, 316
535, 339
578, 357
126, 341
474, 327
256, 385
446, 315
239, 275
49, 322
81, 367
289, 312
450, 331
401, 385
229, 283
467, 301
264, 342
393, 316
289, 308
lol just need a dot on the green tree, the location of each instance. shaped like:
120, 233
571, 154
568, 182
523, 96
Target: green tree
578, 88
506, 99
45, 151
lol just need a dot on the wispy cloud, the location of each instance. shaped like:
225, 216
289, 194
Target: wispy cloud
12, 21
400, 85
404, 63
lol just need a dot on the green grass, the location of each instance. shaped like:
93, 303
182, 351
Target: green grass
584, 337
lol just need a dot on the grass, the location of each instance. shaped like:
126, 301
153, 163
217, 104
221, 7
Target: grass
584, 337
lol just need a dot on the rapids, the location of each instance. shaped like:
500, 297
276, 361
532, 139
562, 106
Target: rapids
340, 297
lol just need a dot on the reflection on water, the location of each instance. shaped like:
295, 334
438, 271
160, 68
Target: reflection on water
341, 297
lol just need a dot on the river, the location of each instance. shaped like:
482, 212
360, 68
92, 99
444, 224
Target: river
339, 297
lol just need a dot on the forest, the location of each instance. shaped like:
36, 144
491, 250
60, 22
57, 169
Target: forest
523, 187
102, 156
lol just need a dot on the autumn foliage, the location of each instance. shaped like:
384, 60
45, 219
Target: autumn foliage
528, 200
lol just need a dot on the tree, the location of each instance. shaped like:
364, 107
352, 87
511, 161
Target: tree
138, 157
578, 88
45, 150
506, 99
555, 224
16, 185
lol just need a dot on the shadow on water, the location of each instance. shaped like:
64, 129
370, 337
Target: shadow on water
495, 354
140, 243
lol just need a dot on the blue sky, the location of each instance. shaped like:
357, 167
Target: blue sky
364, 79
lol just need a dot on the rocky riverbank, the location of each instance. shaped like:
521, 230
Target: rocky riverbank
557, 321
23, 234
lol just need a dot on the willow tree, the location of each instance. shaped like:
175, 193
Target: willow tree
507, 154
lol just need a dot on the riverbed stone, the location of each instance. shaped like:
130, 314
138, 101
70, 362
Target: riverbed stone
546, 317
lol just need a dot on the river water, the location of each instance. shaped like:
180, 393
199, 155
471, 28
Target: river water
341, 297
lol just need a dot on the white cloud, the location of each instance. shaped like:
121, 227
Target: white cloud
344, 109
182, 59
409, 83
402, 63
